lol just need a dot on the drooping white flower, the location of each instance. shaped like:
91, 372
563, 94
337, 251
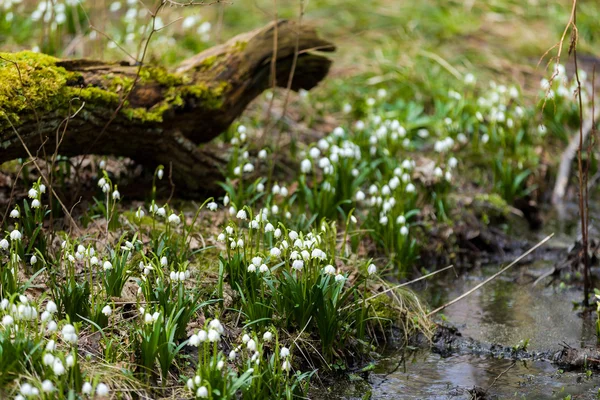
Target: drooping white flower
305, 166
102, 390
298, 265
372, 269
107, 265
15, 235
202, 392
213, 335
35, 203
194, 340
4, 244
107, 310
286, 366
275, 252
262, 154
7, 321
47, 386
51, 307
58, 367
264, 268
164, 261
32, 193
212, 206
116, 195
339, 278
15, 213
160, 173
86, 388
251, 345
284, 352
242, 215
174, 219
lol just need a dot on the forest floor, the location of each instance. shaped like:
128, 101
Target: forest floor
434, 141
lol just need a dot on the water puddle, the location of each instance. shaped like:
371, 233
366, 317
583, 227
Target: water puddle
506, 311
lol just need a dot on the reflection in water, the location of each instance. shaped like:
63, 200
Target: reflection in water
433, 377
505, 311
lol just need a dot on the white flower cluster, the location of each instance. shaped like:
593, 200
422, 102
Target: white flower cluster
211, 334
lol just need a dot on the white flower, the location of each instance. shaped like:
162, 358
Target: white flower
148, 318
305, 166
7, 320
242, 215
232, 355
339, 278
102, 389
372, 269
107, 310
174, 219
86, 388
116, 195
51, 307
32, 193
202, 392
4, 244
213, 335
284, 352
47, 386
107, 265
264, 269
163, 261
190, 384
58, 367
46, 316
212, 206
404, 231
221, 237
275, 252
70, 360
248, 167
220, 365
286, 366
252, 268
15, 235
225, 200
160, 173
269, 227
36, 203
251, 345
27, 389
262, 154
48, 359
52, 327
42, 188
194, 340
94, 260
15, 213
469, 79
202, 336
329, 270
268, 336
68, 333
298, 265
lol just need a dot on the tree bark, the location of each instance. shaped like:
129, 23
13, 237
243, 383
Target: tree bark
147, 113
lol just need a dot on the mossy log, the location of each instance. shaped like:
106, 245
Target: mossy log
150, 114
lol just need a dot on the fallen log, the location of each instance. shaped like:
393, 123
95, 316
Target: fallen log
148, 113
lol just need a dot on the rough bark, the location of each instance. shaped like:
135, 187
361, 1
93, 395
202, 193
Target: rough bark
148, 113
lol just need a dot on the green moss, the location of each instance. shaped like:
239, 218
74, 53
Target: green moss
47, 87
383, 308
30, 80
240, 45
161, 76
